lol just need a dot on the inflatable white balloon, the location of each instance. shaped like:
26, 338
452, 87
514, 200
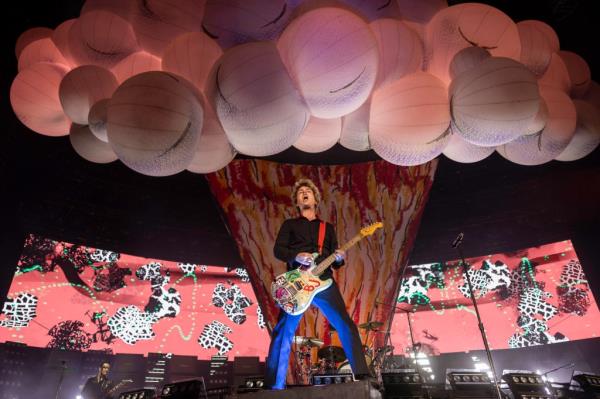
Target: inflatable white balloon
355, 129
87, 145
319, 135
460, 150
82, 87
495, 102
34, 99
400, 50
154, 122
256, 101
233, 22
332, 56
587, 133
465, 25
97, 119
553, 139
192, 55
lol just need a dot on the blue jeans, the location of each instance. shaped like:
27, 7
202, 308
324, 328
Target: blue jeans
331, 303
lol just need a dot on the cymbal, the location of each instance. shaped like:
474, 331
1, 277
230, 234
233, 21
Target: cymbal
371, 325
308, 341
334, 353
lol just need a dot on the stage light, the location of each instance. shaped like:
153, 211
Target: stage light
527, 385
188, 389
138, 394
470, 384
402, 383
590, 383
328, 379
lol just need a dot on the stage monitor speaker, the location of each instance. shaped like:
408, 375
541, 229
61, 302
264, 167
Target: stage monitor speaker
328, 379
471, 384
252, 384
590, 383
138, 394
189, 389
528, 386
402, 384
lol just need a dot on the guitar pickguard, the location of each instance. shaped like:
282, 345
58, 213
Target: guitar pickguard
294, 291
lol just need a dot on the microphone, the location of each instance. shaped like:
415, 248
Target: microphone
458, 240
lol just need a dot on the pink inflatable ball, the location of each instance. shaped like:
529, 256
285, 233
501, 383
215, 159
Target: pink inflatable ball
43, 50
30, 36
134, 64
495, 102
97, 120
420, 11
535, 48
233, 22
466, 25
556, 75
355, 129
319, 135
87, 145
158, 22
412, 110
34, 99
256, 101
214, 150
539, 122
547, 31
153, 123
192, 55
579, 73
82, 87
101, 38
60, 37
553, 139
400, 50
466, 59
462, 151
332, 57
404, 154
587, 133
373, 10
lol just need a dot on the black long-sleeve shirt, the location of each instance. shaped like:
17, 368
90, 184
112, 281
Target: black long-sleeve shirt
302, 235
96, 390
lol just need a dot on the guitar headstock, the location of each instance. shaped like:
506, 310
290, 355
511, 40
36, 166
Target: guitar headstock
370, 229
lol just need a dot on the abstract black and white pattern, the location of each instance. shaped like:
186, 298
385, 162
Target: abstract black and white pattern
132, 325
213, 336
163, 302
19, 311
491, 276
233, 302
104, 256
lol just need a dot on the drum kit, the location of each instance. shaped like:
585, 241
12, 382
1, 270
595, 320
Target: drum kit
332, 359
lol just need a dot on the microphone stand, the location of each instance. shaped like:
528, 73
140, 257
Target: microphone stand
63, 368
457, 244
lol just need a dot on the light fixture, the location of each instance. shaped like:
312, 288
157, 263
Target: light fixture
528, 385
467, 383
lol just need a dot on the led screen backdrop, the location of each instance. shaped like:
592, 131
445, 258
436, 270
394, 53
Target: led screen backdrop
529, 297
75, 297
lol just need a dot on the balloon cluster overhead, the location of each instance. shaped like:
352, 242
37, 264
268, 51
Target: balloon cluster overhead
169, 85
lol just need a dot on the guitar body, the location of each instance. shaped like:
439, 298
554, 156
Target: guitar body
294, 291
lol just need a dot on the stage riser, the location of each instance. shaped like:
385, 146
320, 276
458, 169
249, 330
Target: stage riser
354, 390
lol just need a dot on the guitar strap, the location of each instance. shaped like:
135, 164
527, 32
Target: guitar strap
321, 237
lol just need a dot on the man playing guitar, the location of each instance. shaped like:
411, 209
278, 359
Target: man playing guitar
99, 386
296, 241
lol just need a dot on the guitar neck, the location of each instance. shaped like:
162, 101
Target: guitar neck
321, 267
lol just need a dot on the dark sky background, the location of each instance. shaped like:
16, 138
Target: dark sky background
47, 189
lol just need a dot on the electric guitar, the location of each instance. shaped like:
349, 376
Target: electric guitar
108, 394
294, 291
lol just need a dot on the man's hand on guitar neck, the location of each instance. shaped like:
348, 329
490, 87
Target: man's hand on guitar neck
304, 258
